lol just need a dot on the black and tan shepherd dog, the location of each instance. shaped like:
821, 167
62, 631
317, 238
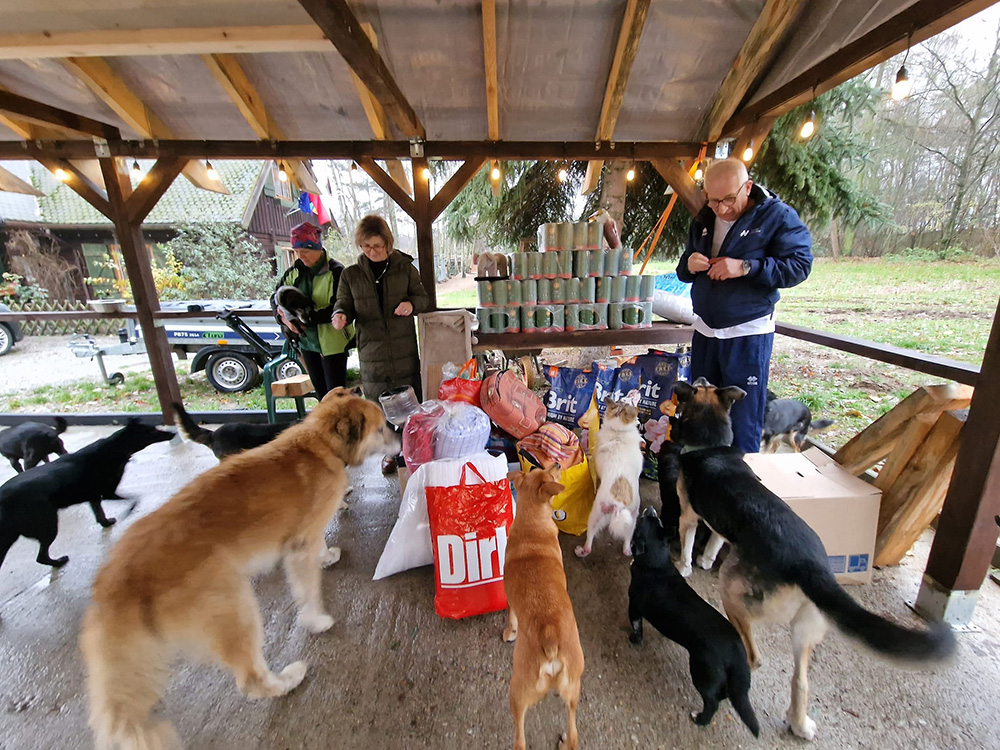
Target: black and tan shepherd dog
228, 439
778, 570
32, 442
658, 593
788, 420
29, 502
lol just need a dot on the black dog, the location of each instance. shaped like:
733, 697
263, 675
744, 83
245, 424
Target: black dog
229, 438
296, 306
789, 420
29, 502
33, 442
717, 659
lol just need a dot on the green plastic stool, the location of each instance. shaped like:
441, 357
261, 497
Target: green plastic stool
270, 375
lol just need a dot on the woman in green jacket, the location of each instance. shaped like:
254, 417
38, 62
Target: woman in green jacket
381, 293
321, 347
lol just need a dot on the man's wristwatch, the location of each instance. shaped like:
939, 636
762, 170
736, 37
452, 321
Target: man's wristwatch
746, 267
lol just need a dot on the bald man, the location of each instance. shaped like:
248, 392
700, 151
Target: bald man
743, 246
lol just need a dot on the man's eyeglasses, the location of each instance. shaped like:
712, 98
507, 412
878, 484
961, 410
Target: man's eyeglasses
729, 201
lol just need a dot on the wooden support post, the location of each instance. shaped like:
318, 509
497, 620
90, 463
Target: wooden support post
140, 276
425, 229
915, 497
966, 534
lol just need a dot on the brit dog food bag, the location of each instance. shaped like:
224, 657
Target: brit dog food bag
567, 400
469, 524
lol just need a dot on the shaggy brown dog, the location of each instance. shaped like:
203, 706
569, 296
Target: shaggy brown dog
179, 579
547, 655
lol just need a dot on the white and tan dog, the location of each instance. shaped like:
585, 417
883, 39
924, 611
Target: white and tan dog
618, 462
179, 579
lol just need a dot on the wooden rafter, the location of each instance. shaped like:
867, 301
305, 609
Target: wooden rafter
108, 87
757, 52
915, 23
156, 182
633, 22
342, 27
384, 181
193, 41
492, 82
756, 133
33, 112
377, 120
81, 184
679, 179
11, 183
443, 198
235, 82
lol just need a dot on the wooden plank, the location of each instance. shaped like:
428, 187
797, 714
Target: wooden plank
297, 385
913, 436
961, 372
80, 184
152, 188
390, 186
163, 41
446, 150
140, 274
11, 183
425, 229
377, 120
43, 114
912, 25
679, 179
454, 185
877, 440
660, 334
110, 89
633, 22
490, 62
916, 497
750, 65
343, 28
593, 177
966, 534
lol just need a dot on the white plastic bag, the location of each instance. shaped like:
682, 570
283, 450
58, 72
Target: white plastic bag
409, 544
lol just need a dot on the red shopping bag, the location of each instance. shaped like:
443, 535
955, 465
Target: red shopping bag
469, 524
462, 388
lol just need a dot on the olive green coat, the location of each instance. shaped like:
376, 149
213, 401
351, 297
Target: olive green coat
387, 343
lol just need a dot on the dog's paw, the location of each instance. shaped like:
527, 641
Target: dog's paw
635, 639
330, 556
316, 623
704, 563
685, 570
291, 676
108, 522
582, 551
60, 561
806, 729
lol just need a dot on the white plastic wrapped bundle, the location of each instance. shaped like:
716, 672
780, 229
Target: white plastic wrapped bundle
461, 430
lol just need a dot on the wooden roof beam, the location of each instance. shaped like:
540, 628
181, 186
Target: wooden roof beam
235, 82
636, 12
678, 178
912, 25
342, 27
34, 132
90, 191
757, 53
377, 120
156, 182
110, 89
448, 192
133, 42
11, 183
42, 114
492, 83
755, 133
384, 181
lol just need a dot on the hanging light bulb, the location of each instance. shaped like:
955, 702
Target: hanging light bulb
903, 85
699, 173
62, 175
426, 173
563, 175
630, 175
136, 171
748, 151
495, 174
809, 126
282, 174
212, 173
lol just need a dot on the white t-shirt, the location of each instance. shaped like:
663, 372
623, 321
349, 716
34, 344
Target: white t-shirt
722, 228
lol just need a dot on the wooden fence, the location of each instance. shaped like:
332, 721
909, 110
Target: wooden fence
106, 326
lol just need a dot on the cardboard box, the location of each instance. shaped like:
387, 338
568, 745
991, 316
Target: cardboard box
839, 507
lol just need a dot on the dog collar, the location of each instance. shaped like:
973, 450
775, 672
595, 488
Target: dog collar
693, 448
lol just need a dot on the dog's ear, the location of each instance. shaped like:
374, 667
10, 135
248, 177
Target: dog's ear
729, 394
629, 413
684, 391
357, 391
350, 425
608, 401
516, 478
551, 489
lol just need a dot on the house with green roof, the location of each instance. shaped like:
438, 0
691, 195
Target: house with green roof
257, 201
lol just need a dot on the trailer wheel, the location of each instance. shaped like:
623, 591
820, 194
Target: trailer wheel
116, 378
229, 372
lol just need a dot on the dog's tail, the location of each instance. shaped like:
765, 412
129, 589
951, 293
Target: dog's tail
820, 424
127, 673
934, 644
738, 690
191, 429
550, 647
60, 425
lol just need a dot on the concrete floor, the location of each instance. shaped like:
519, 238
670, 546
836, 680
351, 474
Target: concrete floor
391, 674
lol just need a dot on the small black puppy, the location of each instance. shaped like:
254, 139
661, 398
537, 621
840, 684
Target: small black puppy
789, 420
296, 306
33, 442
717, 659
29, 502
229, 438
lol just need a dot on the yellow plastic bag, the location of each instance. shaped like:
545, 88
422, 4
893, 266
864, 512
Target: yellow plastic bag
571, 507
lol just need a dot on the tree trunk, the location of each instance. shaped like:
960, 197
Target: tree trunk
613, 191
834, 238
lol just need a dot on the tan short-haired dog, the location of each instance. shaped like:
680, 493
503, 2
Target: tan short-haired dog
179, 579
547, 655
